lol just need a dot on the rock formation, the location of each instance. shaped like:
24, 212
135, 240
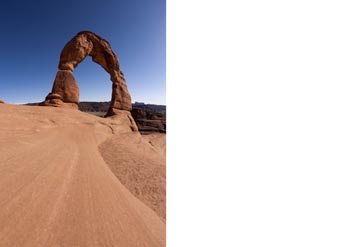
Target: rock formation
1, 101
65, 90
149, 122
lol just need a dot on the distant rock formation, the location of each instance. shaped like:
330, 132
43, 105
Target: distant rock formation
148, 121
1, 101
65, 90
89, 106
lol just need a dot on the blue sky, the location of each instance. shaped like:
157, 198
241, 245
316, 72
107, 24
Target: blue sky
33, 34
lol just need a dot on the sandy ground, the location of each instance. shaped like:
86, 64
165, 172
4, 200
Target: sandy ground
56, 188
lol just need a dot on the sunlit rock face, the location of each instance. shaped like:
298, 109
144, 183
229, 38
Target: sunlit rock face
65, 90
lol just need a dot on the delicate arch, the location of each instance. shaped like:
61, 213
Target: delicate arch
65, 90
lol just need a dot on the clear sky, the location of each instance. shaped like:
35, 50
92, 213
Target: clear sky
34, 32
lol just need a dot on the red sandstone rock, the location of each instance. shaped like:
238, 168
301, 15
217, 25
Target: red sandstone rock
65, 91
66, 87
1, 101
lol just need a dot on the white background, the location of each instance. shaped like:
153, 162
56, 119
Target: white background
258, 102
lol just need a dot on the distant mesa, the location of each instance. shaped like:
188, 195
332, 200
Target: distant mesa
65, 90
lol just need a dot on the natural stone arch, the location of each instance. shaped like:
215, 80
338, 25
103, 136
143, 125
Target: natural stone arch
65, 90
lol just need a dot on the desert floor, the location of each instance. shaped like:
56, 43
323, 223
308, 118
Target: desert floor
68, 178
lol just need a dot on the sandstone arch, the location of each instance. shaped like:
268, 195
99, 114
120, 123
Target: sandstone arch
65, 90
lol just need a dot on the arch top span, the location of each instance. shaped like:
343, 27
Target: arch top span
65, 90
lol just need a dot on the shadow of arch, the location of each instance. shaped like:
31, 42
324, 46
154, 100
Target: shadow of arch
65, 90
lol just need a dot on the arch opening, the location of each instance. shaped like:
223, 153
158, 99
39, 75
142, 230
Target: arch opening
93, 81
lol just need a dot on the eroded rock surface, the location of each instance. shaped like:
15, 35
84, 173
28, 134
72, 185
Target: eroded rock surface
1, 101
58, 190
65, 90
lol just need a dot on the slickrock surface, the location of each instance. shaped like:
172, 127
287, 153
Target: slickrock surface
57, 190
144, 177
